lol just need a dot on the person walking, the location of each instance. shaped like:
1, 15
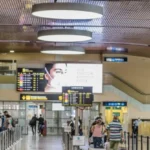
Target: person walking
33, 124
97, 132
41, 124
115, 133
9, 122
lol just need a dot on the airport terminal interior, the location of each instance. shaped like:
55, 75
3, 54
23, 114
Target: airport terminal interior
73, 73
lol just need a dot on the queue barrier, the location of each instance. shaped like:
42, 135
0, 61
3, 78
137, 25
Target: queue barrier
132, 142
136, 142
9, 139
67, 140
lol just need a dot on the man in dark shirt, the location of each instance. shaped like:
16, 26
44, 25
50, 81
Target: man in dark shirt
41, 124
33, 124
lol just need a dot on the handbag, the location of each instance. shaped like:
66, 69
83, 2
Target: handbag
107, 145
122, 146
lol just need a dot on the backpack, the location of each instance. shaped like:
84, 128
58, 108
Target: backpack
32, 122
13, 123
10, 124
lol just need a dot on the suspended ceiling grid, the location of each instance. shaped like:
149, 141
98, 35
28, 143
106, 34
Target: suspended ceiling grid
123, 22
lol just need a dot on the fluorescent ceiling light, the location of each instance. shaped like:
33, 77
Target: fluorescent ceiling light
64, 35
64, 50
67, 11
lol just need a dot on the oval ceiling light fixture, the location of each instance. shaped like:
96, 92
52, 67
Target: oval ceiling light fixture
67, 11
64, 50
64, 35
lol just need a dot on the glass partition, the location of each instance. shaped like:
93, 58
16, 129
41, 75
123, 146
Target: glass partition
22, 112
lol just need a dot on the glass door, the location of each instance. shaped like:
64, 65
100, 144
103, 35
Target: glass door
52, 120
23, 122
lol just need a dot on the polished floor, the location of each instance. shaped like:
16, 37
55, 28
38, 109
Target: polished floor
41, 143
36, 142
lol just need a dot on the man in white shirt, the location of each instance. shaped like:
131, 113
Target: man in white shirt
136, 125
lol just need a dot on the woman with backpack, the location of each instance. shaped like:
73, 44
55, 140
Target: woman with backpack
9, 122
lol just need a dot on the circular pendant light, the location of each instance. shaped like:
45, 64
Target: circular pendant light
64, 35
64, 50
67, 11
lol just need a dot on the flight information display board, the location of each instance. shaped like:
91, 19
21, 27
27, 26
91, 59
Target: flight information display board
30, 79
77, 96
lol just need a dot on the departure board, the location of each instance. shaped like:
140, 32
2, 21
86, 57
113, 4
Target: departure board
77, 96
30, 79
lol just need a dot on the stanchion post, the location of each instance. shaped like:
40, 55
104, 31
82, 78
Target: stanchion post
76, 127
125, 138
5, 140
148, 143
68, 140
141, 142
136, 142
0, 142
128, 140
132, 141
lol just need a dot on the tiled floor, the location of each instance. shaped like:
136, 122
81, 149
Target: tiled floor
41, 143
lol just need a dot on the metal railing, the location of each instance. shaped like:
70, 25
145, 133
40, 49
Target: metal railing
136, 142
9, 138
67, 140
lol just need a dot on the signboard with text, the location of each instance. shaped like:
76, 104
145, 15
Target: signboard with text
30, 79
78, 140
31, 97
77, 96
116, 59
114, 104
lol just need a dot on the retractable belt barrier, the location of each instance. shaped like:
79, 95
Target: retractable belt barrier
10, 138
66, 140
136, 142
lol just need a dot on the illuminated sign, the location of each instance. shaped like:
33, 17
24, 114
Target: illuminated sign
115, 59
30, 79
114, 104
32, 97
117, 49
52, 77
77, 96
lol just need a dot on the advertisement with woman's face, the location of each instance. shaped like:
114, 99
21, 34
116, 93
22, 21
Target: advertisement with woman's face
55, 76
58, 75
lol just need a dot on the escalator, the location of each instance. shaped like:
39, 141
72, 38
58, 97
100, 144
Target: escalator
111, 79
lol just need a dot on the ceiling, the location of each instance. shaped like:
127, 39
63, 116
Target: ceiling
125, 23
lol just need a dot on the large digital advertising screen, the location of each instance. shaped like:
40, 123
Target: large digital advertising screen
54, 76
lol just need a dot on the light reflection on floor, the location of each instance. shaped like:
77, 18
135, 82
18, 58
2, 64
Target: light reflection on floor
41, 143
